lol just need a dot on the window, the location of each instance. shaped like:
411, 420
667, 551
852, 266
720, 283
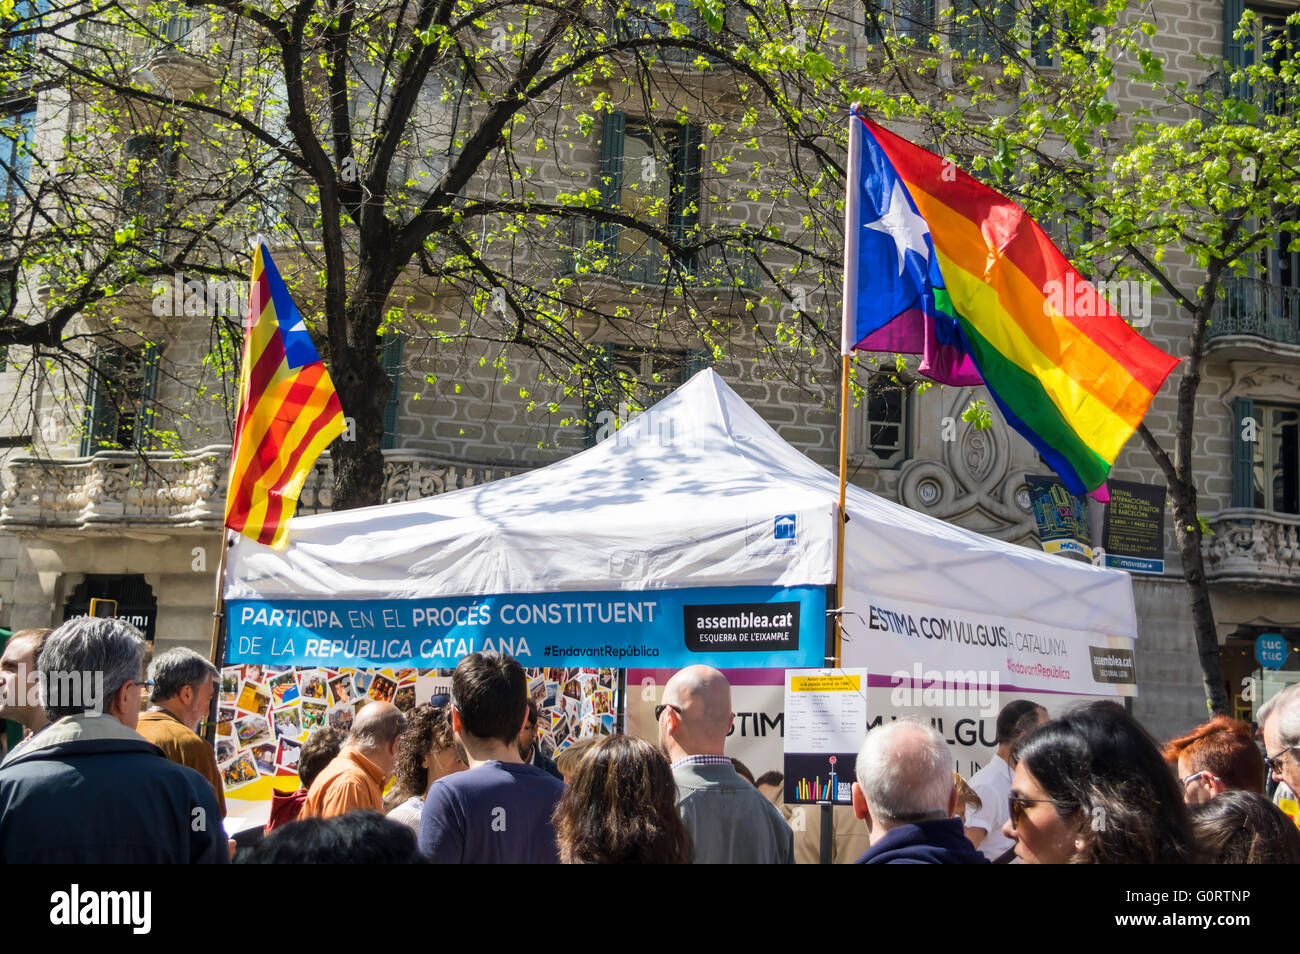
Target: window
883, 419
1273, 43
651, 374
16, 152
647, 21
651, 171
179, 30
150, 165
119, 399
1276, 472
980, 26
913, 19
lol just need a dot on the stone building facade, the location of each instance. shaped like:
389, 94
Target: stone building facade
144, 528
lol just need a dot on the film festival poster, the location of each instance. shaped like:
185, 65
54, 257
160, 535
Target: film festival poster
266, 713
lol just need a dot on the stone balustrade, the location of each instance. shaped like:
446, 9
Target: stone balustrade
118, 489
1254, 547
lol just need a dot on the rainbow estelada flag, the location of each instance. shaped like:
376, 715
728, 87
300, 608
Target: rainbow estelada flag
940, 265
288, 411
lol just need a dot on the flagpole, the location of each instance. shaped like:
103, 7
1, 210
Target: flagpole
848, 307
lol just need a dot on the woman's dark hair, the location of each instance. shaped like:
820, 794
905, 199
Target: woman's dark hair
1244, 828
357, 838
621, 808
427, 728
1104, 771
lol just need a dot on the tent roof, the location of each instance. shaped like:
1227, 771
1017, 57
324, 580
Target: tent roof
686, 494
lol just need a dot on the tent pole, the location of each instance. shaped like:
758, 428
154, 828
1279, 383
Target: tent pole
217, 647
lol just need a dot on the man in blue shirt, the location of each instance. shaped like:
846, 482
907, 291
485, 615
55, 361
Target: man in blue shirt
500, 810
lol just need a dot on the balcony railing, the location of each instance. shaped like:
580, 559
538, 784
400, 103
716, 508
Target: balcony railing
1256, 547
115, 489
1263, 309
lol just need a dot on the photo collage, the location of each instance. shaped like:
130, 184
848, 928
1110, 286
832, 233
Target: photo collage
265, 713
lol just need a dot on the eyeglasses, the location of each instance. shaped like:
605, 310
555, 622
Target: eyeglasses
1018, 807
1274, 763
147, 684
659, 710
1195, 775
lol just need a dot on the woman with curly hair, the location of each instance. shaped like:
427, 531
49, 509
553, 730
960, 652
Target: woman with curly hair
621, 807
425, 754
1092, 788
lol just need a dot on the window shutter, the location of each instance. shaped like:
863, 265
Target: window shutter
611, 155
686, 191
611, 171
1235, 54
100, 411
144, 421
393, 345
1243, 454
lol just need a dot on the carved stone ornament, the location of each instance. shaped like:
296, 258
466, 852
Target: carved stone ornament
1254, 547
974, 484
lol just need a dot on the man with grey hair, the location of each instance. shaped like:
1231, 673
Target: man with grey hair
355, 780
88, 789
1281, 722
905, 794
729, 820
183, 685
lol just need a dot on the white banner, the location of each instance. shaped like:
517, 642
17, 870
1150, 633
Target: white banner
909, 639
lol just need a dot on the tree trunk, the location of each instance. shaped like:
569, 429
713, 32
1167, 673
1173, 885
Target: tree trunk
363, 387
1187, 533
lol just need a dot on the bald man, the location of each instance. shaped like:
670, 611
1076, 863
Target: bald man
355, 779
729, 819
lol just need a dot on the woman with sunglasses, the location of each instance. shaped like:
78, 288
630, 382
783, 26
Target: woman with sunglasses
1092, 788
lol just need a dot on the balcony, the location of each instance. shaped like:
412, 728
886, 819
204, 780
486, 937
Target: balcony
1254, 548
1256, 319
115, 490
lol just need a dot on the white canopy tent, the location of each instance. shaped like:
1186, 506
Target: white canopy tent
700, 492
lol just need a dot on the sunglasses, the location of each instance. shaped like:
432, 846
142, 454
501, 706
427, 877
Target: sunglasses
1018, 807
659, 710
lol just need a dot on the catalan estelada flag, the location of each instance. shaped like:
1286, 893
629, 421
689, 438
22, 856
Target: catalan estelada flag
938, 264
288, 411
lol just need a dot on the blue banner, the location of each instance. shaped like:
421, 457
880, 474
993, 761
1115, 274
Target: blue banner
735, 627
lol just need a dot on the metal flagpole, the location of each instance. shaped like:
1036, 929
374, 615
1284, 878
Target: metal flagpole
847, 335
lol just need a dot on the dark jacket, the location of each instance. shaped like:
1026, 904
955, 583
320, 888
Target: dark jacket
938, 842
88, 790
542, 762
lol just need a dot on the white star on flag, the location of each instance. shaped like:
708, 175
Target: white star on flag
905, 227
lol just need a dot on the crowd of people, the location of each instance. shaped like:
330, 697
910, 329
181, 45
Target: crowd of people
98, 781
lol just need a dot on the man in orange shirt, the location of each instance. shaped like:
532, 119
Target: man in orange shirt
355, 779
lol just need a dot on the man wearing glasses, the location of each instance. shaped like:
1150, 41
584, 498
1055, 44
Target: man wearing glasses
729, 820
88, 789
1282, 737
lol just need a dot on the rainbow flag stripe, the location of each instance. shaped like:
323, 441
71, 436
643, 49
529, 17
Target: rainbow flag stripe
1063, 366
288, 411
